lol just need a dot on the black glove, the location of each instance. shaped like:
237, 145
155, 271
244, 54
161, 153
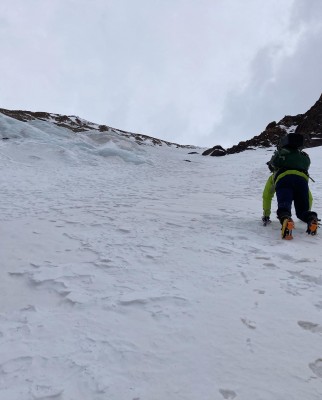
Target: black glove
266, 220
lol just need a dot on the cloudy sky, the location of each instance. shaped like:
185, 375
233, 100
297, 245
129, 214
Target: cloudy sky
201, 72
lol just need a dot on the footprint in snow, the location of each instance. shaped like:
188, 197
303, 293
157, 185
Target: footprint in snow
248, 323
316, 367
227, 394
310, 326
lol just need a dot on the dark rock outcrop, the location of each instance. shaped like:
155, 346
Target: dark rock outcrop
308, 124
311, 125
215, 151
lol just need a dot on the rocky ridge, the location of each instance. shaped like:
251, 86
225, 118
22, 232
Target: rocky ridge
78, 125
308, 124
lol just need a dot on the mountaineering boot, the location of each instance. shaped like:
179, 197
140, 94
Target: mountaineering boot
287, 229
312, 226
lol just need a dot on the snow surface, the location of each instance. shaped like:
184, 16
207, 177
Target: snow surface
128, 273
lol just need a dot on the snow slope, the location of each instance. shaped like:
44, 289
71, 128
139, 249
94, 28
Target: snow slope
128, 273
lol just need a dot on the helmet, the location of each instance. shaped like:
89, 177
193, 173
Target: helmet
292, 140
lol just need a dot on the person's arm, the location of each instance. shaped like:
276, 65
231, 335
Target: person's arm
268, 194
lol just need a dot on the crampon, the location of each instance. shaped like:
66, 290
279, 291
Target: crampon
287, 229
312, 227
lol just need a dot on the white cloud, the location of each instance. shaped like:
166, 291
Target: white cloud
285, 79
171, 69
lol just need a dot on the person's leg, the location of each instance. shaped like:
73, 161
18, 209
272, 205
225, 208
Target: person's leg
301, 199
284, 194
302, 205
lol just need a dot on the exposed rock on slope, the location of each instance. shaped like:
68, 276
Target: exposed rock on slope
308, 124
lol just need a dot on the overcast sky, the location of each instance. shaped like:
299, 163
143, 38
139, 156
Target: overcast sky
201, 72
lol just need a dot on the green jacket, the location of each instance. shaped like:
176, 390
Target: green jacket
288, 158
269, 190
